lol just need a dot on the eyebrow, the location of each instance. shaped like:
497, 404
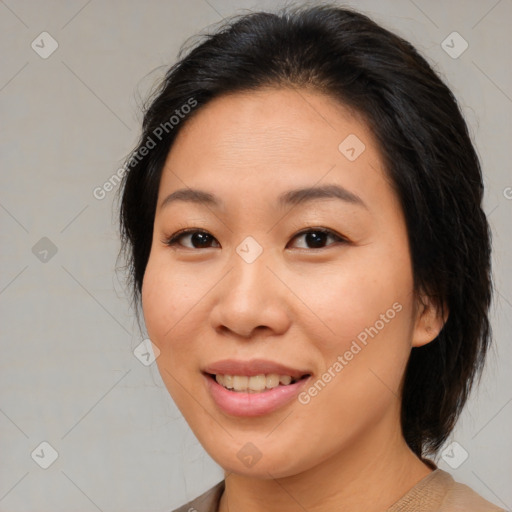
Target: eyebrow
291, 197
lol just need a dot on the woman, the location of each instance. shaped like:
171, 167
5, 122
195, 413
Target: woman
303, 221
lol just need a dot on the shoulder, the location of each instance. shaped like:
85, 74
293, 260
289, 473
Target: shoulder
439, 492
206, 502
461, 497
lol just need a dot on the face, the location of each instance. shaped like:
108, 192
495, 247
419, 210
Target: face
294, 264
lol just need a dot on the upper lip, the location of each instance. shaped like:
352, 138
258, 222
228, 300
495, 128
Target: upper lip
252, 367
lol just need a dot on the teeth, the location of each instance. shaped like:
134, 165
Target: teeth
272, 380
240, 382
228, 381
285, 379
254, 383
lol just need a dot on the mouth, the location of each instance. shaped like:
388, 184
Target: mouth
253, 388
254, 383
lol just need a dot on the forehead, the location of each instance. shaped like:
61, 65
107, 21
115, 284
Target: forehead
269, 141
270, 123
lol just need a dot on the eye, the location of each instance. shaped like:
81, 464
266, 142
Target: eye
317, 237
198, 238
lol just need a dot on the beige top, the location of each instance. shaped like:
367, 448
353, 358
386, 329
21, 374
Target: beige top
437, 492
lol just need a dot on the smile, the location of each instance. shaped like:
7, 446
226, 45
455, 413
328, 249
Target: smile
253, 395
255, 383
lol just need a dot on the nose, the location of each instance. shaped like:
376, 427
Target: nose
251, 298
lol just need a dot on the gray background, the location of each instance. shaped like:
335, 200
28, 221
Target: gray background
68, 375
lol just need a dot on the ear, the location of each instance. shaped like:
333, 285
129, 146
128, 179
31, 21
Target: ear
430, 319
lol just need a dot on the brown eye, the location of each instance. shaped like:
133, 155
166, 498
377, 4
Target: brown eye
197, 239
316, 238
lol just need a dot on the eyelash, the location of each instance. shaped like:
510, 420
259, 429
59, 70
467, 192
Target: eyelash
174, 239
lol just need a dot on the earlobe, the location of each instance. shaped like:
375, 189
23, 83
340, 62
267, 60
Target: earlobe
430, 319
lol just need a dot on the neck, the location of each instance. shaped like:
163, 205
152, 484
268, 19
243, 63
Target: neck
368, 475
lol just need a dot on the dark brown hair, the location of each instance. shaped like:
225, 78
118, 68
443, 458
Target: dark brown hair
428, 153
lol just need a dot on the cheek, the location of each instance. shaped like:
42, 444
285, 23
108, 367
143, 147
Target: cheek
362, 297
371, 315
367, 305
157, 302
167, 296
168, 306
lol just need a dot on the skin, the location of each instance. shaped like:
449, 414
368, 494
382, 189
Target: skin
296, 304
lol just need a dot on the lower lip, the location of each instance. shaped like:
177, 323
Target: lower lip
238, 403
